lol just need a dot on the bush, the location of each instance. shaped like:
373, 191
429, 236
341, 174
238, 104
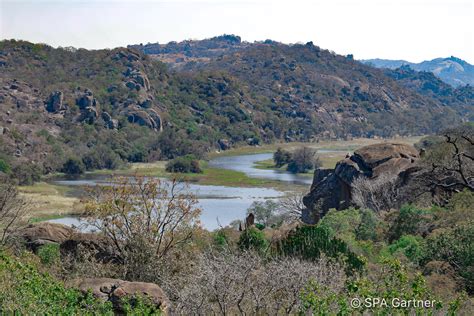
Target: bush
455, 247
24, 290
310, 242
411, 246
254, 239
26, 173
49, 254
186, 164
4, 166
281, 157
410, 221
73, 167
303, 160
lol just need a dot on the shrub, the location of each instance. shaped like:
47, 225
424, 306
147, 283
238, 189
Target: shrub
252, 238
24, 290
164, 216
49, 254
184, 164
367, 229
4, 166
455, 247
26, 173
411, 246
392, 281
410, 221
310, 242
303, 160
73, 167
281, 157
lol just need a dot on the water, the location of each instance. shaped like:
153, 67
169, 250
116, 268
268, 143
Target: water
220, 204
246, 164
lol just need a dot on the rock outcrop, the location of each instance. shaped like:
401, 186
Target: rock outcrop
94, 244
55, 104
113, 290
88, 106
332, 188
39, 234
149, 118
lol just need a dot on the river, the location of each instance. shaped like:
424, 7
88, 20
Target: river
220, 204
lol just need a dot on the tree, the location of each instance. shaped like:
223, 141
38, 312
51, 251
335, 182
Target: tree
281, 157
184, 164
143, 220
451, 163
226, 283
291, 206
378, 194
263, 211
12, 208
303, 160
73, 167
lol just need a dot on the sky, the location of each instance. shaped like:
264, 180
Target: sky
413, 30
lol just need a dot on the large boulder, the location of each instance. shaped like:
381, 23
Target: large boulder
113, 290
94, 244
149, 118
54, 103
331, 188
39, 234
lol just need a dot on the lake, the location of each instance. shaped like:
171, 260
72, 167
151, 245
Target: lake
220, 204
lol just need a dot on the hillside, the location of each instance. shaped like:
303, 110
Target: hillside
451, 70
105, 107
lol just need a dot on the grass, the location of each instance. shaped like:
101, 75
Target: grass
50, 201
47, 201
342, 145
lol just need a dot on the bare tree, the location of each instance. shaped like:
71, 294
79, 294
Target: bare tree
378, 194
12, 209
247, 284
143, 219
292, 206
451, 163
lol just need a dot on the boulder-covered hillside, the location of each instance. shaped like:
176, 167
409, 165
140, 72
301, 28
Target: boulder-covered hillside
104, 107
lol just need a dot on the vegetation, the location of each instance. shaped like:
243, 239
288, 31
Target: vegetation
300, 161
179, 113
186, 164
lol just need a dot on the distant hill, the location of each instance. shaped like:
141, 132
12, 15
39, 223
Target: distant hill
105, 107
451, 70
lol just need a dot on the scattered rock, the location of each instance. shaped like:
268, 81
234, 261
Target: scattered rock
113, 290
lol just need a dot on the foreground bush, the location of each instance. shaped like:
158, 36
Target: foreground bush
24, 290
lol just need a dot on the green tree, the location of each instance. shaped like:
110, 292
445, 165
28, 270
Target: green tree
281, 157
73, 167
303, 160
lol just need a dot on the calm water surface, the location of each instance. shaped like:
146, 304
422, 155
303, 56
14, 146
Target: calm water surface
220, 204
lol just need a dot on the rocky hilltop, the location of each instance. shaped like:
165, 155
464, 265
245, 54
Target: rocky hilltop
104, 107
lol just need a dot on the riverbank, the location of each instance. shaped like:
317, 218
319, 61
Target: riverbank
49, 200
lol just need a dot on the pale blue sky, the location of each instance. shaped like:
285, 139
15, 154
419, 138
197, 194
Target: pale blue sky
414, 30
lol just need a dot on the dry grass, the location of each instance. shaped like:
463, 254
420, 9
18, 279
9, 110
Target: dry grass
48, 201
